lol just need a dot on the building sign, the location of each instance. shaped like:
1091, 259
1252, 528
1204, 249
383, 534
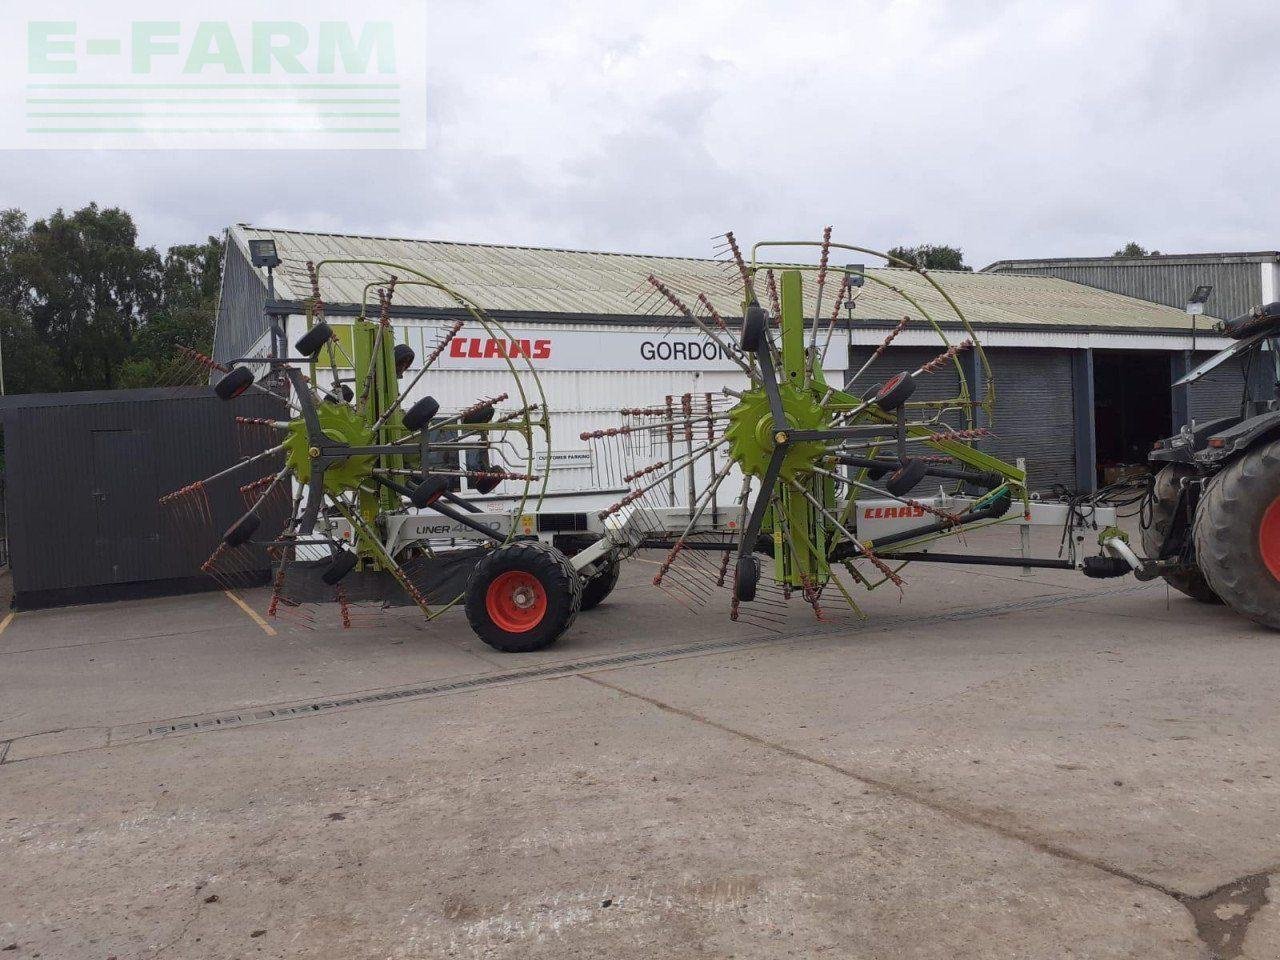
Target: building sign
602, 348
562, 460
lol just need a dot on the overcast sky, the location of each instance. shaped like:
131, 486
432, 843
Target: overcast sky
1014, 129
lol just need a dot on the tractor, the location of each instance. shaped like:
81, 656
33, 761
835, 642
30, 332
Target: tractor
1213, 527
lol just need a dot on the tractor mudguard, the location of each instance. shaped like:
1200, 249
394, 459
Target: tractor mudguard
1240, 438
1264, 319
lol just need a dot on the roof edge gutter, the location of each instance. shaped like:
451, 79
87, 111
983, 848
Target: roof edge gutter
286, 308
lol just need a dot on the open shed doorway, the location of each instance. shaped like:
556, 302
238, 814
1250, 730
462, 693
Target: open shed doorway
1133, 408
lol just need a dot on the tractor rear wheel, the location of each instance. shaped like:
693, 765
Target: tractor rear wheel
1163, 508
1237, 535
523, 596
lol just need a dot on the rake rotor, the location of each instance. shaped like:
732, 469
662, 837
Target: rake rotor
356, 494
773, 474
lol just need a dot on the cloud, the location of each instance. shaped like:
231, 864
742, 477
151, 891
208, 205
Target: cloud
1011, 129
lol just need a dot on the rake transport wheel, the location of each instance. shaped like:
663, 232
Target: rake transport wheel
595, 589
1164, 506
1237, 535
521, 597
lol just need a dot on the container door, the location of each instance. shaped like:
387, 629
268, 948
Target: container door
127, 535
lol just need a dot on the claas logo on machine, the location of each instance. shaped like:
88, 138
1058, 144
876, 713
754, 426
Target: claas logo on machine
892, 513
487, 348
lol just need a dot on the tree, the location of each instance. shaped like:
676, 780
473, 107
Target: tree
184, 315
90, 289
1135, 249
83, 307
30, 364
930, 256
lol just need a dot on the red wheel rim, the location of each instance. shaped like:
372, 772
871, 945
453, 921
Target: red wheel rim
515, 601
1269, 538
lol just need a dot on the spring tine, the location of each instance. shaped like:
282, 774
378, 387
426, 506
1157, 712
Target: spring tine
941, 359
822, 281
893, 335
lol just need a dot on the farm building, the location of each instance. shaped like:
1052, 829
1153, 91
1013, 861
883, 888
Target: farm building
1083, 374
1240, 281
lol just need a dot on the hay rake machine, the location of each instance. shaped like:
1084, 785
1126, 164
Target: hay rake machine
367, 498
814, 463
366, 493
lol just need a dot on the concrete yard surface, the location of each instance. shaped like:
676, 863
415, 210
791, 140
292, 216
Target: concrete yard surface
992, 766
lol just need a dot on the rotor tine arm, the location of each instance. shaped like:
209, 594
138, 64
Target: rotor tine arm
835, 313
270, 488
732, 242
938, 361
371, 537
822, 281
775, 303
703, 502
746, 546
426, 365
893, 335
679, 304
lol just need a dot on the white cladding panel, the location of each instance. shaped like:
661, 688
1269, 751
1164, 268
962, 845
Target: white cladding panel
588, 397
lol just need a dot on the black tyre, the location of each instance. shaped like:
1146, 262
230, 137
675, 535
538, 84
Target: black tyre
242, 530
746, 577
523, 597
429, 491
342, 564
895, 392
479, 461
596, 588
420, 414
404, 357
903, 480
234, 383
1237, 535
754, 322
309, 343
1164, 506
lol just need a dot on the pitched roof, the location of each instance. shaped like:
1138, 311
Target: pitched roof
536, 280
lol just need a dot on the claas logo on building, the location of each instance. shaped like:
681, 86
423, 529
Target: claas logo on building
487, 348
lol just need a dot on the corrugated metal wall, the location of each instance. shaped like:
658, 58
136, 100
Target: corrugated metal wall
1237, 287
1034, 414
942, 385
84, 473
1219, 394
1033, 405
240, 309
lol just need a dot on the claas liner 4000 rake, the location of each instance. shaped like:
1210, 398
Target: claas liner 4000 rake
368, 496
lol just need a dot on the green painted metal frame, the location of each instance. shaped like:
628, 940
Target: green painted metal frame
801, 368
